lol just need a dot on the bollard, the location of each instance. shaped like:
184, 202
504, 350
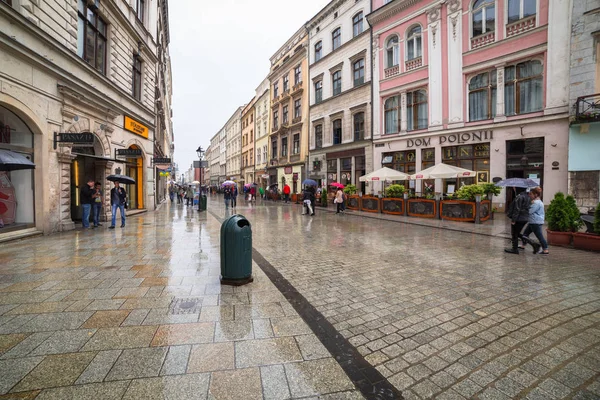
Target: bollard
236, 251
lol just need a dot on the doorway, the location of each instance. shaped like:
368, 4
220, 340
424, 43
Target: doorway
82, 168
524, 159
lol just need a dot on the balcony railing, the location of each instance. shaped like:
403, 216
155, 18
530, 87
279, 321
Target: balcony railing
588, 108
296, 120
520, 26
483, 40
414, 63
285, 94
297, 87
392, 71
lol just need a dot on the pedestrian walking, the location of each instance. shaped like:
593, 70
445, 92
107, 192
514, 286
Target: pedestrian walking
227, 191
261, 190
118, 200
313, 199
86, 200
234, 195
253, 193
97, 205
171, 193
180, 193
536, 223
307, 201
518, 212
189, 193
286, 192
339, 201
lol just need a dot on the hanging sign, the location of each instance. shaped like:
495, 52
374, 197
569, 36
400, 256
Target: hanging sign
161, 160
136, 127
129, 152
79, 138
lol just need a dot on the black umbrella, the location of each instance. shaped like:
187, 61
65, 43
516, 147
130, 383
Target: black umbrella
121, 179
11, 161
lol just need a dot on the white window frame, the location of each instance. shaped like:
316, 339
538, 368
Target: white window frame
395, 51
414, 39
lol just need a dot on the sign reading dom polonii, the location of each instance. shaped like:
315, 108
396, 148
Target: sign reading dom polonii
79, 138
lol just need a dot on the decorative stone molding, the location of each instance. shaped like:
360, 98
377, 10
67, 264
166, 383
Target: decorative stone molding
454, 21
434, 14
77, 100
64, 162
483, 40
433, 28
389, 10
454, 5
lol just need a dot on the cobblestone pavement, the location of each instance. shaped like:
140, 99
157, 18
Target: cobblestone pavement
140, 313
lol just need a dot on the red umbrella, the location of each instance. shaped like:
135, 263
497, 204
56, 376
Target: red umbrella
337, 185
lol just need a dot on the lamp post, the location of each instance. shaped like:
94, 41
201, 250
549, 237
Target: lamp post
200, 153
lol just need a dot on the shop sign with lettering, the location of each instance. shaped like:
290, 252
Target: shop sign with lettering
161, 160
129, 152
454, 139
136, 127
288, 170
79, 138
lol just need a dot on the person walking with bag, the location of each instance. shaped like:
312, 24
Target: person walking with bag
339, 201
118, 198
536, 223
518, 213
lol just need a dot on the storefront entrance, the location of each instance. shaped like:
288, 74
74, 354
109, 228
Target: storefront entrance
135, 170
82, 169
524, 159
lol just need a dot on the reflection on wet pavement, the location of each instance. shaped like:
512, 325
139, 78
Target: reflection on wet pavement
140, 312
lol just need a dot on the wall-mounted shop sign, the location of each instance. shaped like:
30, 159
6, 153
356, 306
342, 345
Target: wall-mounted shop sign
131, 153
455, 138
136, 127
161, 160
288, 170
79, 138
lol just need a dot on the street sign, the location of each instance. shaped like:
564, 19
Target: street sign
79, 138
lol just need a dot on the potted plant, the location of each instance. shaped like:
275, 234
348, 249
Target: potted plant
490, 190
392, 201
324, 197
589, 241
468, 192
563, 219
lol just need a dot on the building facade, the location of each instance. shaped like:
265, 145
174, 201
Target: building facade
213, 158
233, 140
584, 132
248, 130
289, 113
222, 156
482, 85
340, 96
262, 113
78, 86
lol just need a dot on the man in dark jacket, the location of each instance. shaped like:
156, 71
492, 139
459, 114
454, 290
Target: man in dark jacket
518, 213
86, 201
118, 197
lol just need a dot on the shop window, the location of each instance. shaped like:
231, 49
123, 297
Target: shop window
392, 53
428, 161
474, 157
91, 37
332, 170
337, 131
359, 126
403, 161
319, 136
416, 110
523, 88
484, 17
392, 115
519, 9
482, 96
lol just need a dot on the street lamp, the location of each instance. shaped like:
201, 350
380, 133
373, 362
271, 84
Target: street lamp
200, 153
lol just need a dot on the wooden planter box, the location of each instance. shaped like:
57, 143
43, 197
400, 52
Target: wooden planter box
556, 238
370, 204
485, 210
586, 241
394, 206
423, 208
353, 202
458, 210
294, 197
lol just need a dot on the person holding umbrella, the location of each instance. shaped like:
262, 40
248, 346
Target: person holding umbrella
118, 198
518, 213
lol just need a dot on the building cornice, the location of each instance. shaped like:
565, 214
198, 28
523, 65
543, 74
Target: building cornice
324, 13
343, 46
389, 10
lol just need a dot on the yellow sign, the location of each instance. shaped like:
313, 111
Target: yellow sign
133, 126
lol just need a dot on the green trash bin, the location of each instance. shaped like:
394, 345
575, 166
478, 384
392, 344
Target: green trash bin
236, 251
202, 202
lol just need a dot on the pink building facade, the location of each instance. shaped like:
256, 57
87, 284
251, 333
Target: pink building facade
480, 84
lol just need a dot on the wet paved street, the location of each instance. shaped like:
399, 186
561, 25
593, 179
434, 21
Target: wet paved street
139, 312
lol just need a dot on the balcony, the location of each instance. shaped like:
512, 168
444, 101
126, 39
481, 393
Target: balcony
275, 128
483, 40
296, 120
414, 63
392, 71
520, 26
297, 88
275, 101
285, 94
588, 108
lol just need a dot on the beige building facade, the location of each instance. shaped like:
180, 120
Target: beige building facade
248, 130
289, 113
78, 83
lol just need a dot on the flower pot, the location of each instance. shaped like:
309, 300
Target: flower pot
586, 241
556, 238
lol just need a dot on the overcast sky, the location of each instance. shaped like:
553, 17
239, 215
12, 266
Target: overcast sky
220, 53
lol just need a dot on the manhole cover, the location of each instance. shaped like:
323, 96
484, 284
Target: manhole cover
185, 305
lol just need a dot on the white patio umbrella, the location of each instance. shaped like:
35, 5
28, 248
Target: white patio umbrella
384, 174
443, 171
195, 183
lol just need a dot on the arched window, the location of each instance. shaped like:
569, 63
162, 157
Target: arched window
392, 54
392, 115
416, 110
484, 17
318, 50
357, 24
413, 43
519, 9
337, 131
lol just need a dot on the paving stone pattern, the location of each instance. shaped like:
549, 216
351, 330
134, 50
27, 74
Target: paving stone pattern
140, 313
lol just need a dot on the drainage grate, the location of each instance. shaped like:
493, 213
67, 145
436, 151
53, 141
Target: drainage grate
185, 305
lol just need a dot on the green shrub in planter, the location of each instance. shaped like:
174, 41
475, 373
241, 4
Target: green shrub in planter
324, 198
562, 214
490, 189
350, 190
597, 220
574, 214
395, 191
468, 192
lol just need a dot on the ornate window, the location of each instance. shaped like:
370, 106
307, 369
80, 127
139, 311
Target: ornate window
359, 72
392, 53
416, 110
286, 83
297, 109
275, 120
296, 144
274, 149
519, 9
337, 131
318, 92
318, 50
357, 24
337, 82
91, 37
284, 147
523, 88
484, 17
392, 115
319, 136
482, 96
285, 115
275, 89
359, 126
298, 75
413, 43
336, 38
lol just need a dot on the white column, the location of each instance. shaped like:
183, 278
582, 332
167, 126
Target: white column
376, 101
557, 67
434, 44
500, 108
403, 122
455, 65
